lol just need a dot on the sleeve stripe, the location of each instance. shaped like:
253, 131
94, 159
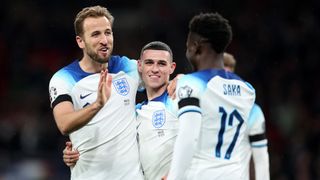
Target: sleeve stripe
61, 98
189, 101
189, 109
261, 143
259, 146
257, 137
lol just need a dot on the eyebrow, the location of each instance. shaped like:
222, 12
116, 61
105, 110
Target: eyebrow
159, 60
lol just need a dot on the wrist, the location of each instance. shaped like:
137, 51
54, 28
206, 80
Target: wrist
97, 106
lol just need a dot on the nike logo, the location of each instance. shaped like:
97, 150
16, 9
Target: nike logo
82, 97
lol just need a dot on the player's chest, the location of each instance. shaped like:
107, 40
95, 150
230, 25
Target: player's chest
123, 90
153, 118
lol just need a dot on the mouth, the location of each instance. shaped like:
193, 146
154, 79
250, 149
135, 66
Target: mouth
152, 76
104, 50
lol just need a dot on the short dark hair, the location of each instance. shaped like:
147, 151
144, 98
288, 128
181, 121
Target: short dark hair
157, 45
214, 28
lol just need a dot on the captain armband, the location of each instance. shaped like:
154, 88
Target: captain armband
190, 101
61, 98
190, 104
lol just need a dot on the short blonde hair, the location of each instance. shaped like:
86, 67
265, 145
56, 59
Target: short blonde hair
93, 11
229, 61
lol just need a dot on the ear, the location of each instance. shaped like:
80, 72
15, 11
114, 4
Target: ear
139, 65
173, 67
80, 42
198, 47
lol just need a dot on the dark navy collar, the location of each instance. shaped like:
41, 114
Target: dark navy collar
162, 98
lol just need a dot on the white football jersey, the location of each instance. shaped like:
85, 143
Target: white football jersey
107, 144
225, 103
257, 128
255, 135
157, 132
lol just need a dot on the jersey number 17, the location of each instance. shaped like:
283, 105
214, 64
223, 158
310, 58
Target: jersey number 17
234, 115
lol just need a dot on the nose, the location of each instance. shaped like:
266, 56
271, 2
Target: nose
104, 39
155, 68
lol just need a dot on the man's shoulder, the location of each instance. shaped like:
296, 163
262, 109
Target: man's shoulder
121, 63
71, 67
71, 72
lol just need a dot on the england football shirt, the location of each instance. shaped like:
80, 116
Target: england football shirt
157, 130
225, 102
257, 128
107, 144
255, 135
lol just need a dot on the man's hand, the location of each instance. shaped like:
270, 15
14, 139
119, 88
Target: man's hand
70, 157
164, 178
173, 85
104, 88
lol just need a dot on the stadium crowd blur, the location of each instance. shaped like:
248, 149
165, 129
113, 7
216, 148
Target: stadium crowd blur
276, 44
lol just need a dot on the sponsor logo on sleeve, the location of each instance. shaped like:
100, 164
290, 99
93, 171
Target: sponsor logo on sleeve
53, 93
184, 92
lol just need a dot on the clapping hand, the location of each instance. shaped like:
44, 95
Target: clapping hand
104, 88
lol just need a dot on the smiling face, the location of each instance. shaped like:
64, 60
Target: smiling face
97, 39
155, 67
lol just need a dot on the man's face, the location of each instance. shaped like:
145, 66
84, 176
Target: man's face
155, 67
228, 67
97, 39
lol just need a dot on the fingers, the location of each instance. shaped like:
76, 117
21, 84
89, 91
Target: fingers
172, 88
103, 77
69, 145
173, 85
71, 161
100, 93
108, 86
70, 157
109, 80
70, 164
104, 88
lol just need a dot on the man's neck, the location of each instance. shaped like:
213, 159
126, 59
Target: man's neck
209, 61
90, 66
155, 92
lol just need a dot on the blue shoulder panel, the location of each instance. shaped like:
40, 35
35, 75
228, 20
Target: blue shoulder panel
72, 72
117, 64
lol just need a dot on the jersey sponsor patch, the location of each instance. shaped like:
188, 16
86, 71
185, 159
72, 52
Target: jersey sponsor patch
121, 86
158, 118
53, 93
184, 92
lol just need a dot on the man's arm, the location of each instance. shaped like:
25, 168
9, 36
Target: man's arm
187, 139
259, 143
69, 120
261, 163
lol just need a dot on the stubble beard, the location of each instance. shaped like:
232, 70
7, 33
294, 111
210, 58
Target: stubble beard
95, 57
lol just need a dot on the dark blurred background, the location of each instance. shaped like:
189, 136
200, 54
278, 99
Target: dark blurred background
275, 42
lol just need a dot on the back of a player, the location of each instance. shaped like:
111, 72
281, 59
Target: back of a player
225, 102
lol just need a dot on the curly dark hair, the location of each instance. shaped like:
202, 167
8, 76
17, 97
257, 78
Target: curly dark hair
214, 28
